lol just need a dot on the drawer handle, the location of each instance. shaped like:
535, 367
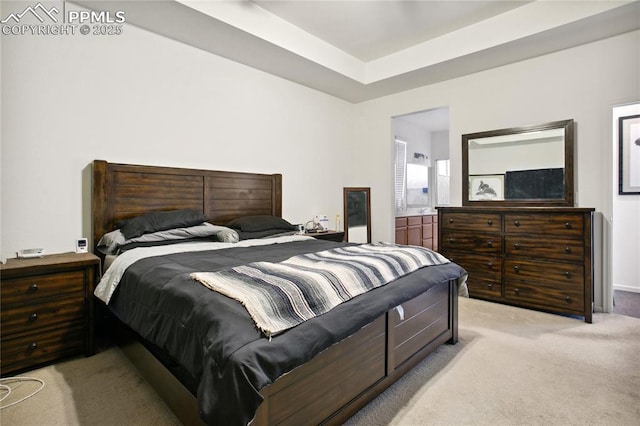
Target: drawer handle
489, 243
517, 246
33, 288
567, 299
567, 249
450, 220
567, 274
33, 346
567, 225
516, 223
489, 222
33, 317
490, 286
490, 265
516, 291
451, 240
516, 268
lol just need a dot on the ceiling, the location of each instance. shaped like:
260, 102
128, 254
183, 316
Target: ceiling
364, 49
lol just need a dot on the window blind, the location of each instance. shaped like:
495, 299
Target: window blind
401, 175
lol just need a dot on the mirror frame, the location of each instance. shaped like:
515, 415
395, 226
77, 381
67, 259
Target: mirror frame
568, 200
346, 192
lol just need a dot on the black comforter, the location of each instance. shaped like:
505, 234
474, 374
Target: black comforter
214, 338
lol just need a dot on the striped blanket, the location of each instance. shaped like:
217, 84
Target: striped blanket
279, 296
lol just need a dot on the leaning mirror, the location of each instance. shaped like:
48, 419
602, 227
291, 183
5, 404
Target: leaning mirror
357, 215
519, 166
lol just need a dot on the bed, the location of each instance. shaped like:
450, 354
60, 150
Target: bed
201, 350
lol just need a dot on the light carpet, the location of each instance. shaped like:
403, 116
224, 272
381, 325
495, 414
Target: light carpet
511, 366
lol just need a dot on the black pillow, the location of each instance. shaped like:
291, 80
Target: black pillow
260, 223
159, 221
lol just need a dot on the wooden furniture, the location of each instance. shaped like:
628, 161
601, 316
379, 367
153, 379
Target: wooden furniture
336, 383
46, 309
418, 231
328, 235
538, 258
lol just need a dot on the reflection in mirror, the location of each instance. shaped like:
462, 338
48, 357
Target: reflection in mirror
531, 164
357, 215
417, 185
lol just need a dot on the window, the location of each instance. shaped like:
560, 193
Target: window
442, 179
401, 175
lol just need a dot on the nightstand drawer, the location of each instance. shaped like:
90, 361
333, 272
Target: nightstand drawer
30, 289
33, 317
30, 350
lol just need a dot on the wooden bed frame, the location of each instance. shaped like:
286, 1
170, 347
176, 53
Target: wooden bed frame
336, 383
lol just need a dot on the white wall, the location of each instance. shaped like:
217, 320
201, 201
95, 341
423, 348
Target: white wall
142, 98
582, 83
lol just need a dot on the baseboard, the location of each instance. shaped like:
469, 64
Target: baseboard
626, 288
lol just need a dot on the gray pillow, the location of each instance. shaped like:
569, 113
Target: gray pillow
159, 221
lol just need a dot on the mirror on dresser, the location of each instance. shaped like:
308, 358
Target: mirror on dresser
519, 166
357, 215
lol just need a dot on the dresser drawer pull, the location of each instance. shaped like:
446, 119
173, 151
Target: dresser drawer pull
450, 220
451, 240
33, 288
489, 222
489, 265
33, 317
567, 249
516, 246
516, 268
489, 243
33, 346
567, 274
516, 223
490, 286
567, 299
516, 291
567, 225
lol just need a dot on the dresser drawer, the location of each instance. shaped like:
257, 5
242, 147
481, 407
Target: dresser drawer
483, 222
551, 273
558, 225
563, 298
482, 288
475, 242
33, 288
29, 350
478, 265
553, 249
33, 317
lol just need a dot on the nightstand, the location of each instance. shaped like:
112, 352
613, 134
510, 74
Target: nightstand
327, 235
46, 309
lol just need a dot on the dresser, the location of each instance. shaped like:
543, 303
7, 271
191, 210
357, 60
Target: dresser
533, 257
46, 309
419, 230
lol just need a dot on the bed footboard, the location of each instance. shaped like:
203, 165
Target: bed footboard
344, 378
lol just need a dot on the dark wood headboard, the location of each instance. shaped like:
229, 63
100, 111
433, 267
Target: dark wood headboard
121, 191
